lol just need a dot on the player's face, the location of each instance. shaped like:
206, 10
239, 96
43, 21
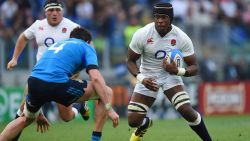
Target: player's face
162, 23
54, 16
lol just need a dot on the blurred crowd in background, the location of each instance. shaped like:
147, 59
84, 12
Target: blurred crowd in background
219, 29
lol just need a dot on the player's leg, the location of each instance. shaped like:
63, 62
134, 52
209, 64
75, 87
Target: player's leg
81, 107
17, 125
137, 110
100, 110
67, 113
14, 128
100, 117
70, 112
181, 102
19, 112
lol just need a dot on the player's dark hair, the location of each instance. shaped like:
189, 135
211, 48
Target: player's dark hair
81, 33
164, 8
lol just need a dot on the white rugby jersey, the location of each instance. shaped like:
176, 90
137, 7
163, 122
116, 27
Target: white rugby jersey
46, 34
153, 48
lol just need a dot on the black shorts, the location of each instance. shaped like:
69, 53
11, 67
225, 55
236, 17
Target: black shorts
40, 92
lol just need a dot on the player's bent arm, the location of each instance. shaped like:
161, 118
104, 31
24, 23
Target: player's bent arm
102, 91
99, 85
192, 67
131, 62
20, 44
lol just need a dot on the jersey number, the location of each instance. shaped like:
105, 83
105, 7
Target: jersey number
56, 47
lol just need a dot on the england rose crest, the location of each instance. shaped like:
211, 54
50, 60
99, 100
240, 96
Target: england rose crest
173, 42
64, 30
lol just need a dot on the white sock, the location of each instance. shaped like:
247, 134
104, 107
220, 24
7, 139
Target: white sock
144, 121
75, 111
197, 121
19, 113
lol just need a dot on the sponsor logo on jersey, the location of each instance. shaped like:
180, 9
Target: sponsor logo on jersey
49, 41
64, 30
173, 42
150, 41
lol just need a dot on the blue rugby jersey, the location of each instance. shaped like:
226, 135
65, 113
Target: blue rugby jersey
63, 59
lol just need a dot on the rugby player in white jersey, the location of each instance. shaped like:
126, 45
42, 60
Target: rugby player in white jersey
151, 43
47, 31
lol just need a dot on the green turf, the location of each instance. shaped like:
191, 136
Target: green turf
222, 128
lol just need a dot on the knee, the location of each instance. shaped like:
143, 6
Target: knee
100, 113
23, 120
99, 116
65, 117
134, 121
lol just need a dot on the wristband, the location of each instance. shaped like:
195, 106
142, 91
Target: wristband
108, 106
140, 77
181, 71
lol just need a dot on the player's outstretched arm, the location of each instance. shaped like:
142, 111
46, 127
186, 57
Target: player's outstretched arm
20, 44
101, 89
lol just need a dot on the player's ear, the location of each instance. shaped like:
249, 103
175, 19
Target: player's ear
91, 43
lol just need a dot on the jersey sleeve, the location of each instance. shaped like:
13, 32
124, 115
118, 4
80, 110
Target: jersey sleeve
71, 24
90, 58
186, 46
30, 32
136, 42
76, 25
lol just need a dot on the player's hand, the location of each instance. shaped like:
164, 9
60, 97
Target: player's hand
151, 84
114, 117
12, 63
42, 123
170, 67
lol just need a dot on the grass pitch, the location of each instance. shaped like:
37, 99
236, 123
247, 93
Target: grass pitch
221, 128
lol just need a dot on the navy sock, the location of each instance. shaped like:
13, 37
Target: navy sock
201, 130
96, 136
77, 106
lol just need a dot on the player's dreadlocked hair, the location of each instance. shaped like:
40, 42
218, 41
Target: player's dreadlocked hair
81, 33
164, 8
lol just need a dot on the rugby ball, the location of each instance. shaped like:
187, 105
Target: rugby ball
176, 56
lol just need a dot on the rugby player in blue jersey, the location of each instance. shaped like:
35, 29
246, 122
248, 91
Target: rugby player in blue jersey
50, 81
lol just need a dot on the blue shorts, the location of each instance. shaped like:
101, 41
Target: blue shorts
40, 92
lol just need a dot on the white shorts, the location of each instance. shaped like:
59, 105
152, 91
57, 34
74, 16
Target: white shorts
164, 80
